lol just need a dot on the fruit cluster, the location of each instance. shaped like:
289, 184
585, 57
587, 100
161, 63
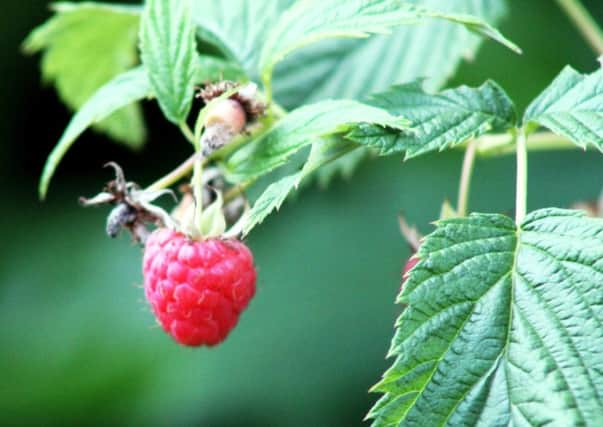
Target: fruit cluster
197, 280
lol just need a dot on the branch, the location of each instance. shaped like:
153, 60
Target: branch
584, 22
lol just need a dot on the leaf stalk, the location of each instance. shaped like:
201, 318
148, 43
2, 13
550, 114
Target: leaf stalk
235, 191
495, 145
465, 181
521, 194
197, 184
187, 132
176, 175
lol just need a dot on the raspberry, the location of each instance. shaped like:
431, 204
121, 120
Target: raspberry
197, 289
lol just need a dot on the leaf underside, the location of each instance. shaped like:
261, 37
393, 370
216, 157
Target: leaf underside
238, 34
310, 21
432, 50
502, 326
322, 71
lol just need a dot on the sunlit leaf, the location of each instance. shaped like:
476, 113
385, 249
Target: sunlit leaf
572, 106
439, 121
502, 325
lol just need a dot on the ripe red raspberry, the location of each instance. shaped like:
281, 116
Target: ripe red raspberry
197, 289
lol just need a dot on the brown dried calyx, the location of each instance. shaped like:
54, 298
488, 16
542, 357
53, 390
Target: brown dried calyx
133, 209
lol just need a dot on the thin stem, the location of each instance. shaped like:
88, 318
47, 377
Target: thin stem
187, 132
198, 163
197, 184
276, 110
187, 166
521, 195
176, 175
465, 182
235, 191
585, 23
503, 144
267, 80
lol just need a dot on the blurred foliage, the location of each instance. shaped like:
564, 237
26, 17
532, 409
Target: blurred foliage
78, 71
79, 346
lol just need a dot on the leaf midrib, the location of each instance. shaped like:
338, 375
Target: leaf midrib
505, 351
460, 329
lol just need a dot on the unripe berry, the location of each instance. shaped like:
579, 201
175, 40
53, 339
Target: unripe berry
227, 112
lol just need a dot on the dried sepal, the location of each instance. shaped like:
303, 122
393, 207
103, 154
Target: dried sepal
410, 233
133, 209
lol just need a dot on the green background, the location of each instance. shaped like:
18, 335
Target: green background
79, 345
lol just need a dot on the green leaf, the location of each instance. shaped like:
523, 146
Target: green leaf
309, 21
212, 69
168, 50
123, 90
572, 106
355, 68
502, 325
271, 199
84, 46
129, 87
300, 128
343, 167
322, 152
346, 68
238, 27
441, 121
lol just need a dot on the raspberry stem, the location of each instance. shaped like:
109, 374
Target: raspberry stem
465, 181
197, 184
522, 177
496, 145
198, 163
187, 132
584, 22
235, 191
176, 175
